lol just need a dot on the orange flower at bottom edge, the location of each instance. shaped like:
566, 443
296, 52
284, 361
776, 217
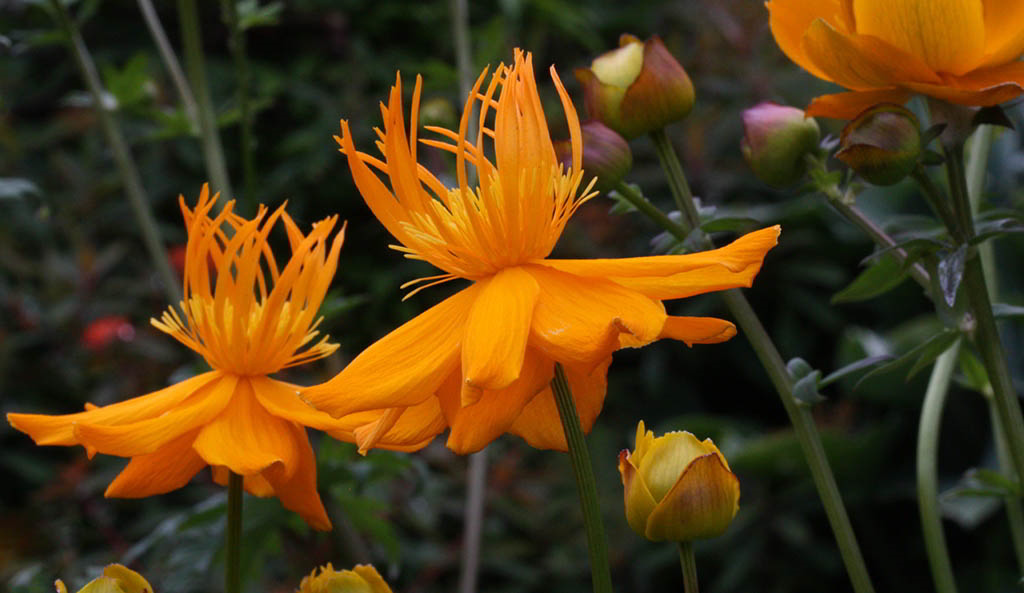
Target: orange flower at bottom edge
961, 51
248, 318
486, 355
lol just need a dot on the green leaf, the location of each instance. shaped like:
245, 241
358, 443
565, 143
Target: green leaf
921, 355
992, 229
999, 310
622, 205
852, 368
251, 14
974, 374
932, 133
805, 390
951, 272
994, 479
880, 278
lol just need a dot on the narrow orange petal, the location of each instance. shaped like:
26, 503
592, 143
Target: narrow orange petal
297, 489
414, 429
247, 439
850, 104
691, 330
478, 424
168, 468
282, 400
404, 367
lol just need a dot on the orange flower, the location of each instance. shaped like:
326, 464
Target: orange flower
960, 51
248, 318
487, 354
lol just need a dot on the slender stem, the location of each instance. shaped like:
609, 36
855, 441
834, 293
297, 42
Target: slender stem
986, 334
597, 544
927, 470
156, 29
213, 154
137, 198
934, 196
236, 42
638, 201
882, 239
799, 416
689, 564
233, 559
1014, 509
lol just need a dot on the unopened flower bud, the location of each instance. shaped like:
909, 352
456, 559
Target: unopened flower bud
115, 579
882, 144
637, 88
776, 140
606, 155
361, 579
677, 488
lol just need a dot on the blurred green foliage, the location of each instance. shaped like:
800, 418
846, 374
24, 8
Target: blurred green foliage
70, 255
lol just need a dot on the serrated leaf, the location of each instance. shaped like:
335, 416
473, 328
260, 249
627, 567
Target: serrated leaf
920, 355
951, 272
853, 367
805, 390
878, 279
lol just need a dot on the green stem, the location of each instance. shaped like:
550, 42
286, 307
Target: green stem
213, 154
137, 198
236, 42
927, 470
799, 416
689, 564
156, 30
934, 196
597, 544
1014, 509
882, 239
638, 201
232, 561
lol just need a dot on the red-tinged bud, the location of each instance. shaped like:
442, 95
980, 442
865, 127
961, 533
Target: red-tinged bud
637, 88
776, 140
882, 144
606, 155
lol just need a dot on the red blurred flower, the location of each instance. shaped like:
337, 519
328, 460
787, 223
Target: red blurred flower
100, 333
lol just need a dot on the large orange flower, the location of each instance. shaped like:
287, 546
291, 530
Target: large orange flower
961, 51
248, 318
487, 354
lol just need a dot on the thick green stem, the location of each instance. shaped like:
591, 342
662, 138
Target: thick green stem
597, 544
689, 564
130, 177
927, 470
236, 42
799, 416
233, 557
213, 153
639, 202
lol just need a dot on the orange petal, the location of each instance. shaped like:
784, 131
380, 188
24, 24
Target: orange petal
949, 35
1004, 36
59, 430
791, 18
497, 328
254, 484
578, 320
539, 423
478, 424
691, 330
168, 468
990, 86
849, 105
146, 436
860, 62
247, 439
701, 504
404, 367
282, 400
297, 489
413, 430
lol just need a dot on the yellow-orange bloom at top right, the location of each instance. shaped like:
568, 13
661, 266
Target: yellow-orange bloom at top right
960, 51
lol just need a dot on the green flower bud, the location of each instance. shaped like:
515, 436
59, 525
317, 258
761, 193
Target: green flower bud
882, 144
606, 155
775, 141
637, 88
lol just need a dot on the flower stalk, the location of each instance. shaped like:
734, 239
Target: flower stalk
771, 360
597, 543
689, 565
927, 470
233, 558
236, 43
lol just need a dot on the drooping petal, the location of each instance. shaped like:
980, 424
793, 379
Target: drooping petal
59, 430
414, 429
404, 367
791, 18
497, 329
246, 438
539, 423
700, 504
146, 436
861, 62
949, 35
691, 330
478, 424
168, 468
578, 320
638, 500
296, 489
850, 104
1004, 35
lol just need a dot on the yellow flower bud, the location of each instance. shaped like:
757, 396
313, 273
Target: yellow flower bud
637, 88
116, 579
361, 579
677, 488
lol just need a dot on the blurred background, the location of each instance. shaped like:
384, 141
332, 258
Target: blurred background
77, 292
